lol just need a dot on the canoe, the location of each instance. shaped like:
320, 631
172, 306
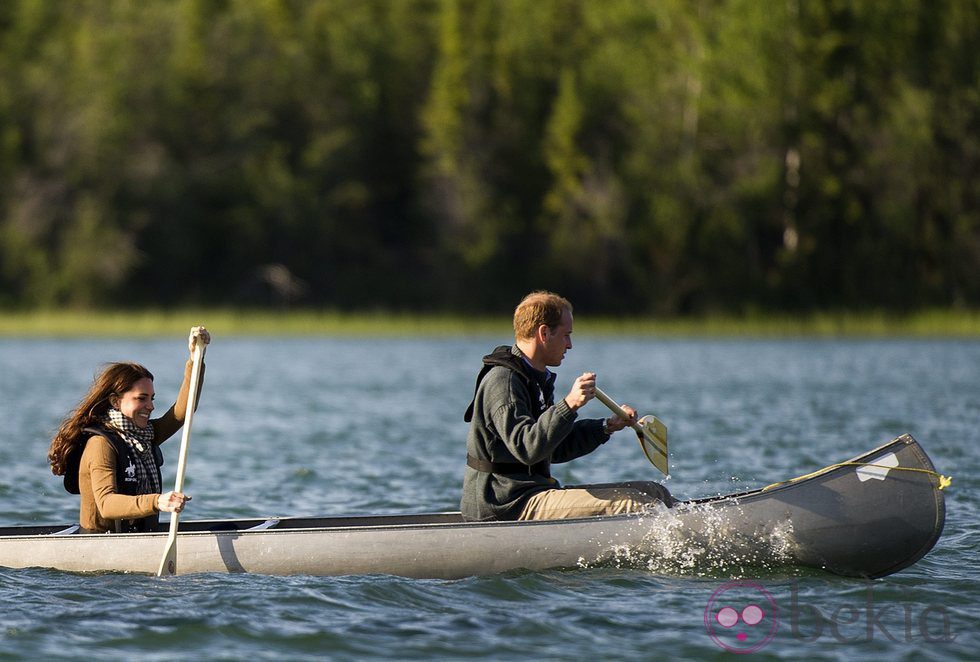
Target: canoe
869, 517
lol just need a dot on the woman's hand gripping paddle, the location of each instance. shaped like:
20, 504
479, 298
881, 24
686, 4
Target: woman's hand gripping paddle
168, 565
650, 431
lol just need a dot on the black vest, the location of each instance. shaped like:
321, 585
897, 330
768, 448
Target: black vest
125, 481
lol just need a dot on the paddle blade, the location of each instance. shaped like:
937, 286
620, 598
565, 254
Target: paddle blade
168, 564
652, 435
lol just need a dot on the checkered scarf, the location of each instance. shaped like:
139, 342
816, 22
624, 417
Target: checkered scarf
140, 440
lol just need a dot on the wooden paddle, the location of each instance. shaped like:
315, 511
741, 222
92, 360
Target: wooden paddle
650, 431
168, 564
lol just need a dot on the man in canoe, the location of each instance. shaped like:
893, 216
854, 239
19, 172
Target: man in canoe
108, 448
517, 429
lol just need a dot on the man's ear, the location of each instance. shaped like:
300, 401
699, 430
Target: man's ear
543, 333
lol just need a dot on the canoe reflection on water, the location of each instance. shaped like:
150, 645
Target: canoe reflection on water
869, 517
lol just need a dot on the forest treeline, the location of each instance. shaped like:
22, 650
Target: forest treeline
640, 156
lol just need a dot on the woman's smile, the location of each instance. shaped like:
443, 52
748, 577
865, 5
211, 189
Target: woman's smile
137, 402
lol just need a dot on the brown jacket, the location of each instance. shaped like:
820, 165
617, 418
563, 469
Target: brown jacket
100, 503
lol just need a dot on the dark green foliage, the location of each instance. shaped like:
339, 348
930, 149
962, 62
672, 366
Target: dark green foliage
639, 156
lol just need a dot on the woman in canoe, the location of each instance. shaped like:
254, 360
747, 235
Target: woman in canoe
108, 448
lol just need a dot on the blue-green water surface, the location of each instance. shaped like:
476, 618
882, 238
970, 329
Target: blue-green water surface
352, 426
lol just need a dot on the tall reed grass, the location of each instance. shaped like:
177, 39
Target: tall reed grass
232, 322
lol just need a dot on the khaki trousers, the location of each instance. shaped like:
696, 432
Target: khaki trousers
601, 499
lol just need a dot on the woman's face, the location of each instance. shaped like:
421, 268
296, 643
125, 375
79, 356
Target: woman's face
137, 402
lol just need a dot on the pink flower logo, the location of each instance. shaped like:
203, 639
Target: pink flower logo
741, 617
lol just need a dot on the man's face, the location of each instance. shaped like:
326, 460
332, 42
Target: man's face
558, 340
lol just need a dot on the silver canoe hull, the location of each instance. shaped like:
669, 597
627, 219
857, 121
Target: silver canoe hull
839, 519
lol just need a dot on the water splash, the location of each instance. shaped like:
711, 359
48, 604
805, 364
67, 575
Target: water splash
703, 540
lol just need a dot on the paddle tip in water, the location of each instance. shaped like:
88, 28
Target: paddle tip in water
168, 565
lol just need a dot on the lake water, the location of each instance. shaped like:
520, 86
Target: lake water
353, 426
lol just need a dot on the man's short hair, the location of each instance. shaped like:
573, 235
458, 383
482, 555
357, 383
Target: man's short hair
537, 308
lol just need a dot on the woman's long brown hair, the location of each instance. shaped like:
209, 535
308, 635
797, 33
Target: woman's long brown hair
114, 380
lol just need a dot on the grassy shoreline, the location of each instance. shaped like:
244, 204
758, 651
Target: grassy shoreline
232, 322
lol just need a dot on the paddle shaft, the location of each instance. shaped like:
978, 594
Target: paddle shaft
168, 564
651, 433
615, 408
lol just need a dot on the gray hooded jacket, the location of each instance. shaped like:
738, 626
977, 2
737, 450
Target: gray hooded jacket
515, 421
